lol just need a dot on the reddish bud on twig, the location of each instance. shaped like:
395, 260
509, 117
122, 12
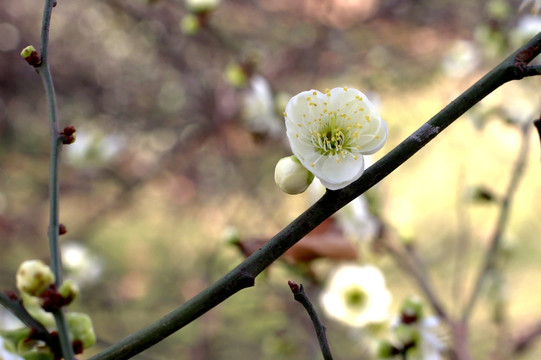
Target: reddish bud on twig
295, 288
62, 229
77, 346
52, 300
12, 295
31, 56
68, 135
406, 318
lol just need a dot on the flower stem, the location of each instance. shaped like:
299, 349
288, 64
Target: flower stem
56, 144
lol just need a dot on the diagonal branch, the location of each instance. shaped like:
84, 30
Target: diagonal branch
244, 274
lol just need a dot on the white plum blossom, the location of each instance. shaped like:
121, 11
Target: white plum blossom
330, 132
357, 295
81, 264
462, 58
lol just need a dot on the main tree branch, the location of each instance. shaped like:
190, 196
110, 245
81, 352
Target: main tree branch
513, 68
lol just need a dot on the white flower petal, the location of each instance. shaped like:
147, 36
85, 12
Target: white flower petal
336, 173
329, 132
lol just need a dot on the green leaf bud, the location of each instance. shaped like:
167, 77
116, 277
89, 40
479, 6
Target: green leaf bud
81, 328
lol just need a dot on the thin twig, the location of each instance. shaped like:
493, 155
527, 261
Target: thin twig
413, 266
523, 342
244, 274
491, 254
300, 296
56, 144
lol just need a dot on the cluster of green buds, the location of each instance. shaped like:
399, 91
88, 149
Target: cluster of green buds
407, 334
39, 298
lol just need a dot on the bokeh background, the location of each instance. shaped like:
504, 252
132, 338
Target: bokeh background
178, 132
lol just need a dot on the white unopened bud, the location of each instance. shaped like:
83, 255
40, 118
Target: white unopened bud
34, 277
291, 177
198, 6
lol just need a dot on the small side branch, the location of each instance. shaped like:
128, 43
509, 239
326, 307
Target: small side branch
525, 341
39, 332
495, 243
300, 296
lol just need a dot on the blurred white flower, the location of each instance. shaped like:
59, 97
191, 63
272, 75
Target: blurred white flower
258, 109
8, 321
354, 219
330, 132
462, 58
536, 5
80, 264
291, 177
5, 354
357, 295
93, 149
202, 5
527, 27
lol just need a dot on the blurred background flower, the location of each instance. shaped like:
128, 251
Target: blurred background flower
356, 295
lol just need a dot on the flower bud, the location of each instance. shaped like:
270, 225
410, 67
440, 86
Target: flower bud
33, 277
407, 335
69, 290
190, 24
31, 56
39, 354
81, 328
236, 75
291, 177
386, 350
412, 310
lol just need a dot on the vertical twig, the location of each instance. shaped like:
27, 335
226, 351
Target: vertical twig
300, 296
495, 242
56, 143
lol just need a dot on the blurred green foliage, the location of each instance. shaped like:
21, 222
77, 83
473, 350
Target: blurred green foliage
164, 163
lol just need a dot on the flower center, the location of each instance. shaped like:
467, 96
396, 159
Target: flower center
355, 297
329, 139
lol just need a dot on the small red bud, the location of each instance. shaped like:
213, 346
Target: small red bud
62, 229
77, 346
295, 288
68, 135
69, 130
12, 295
